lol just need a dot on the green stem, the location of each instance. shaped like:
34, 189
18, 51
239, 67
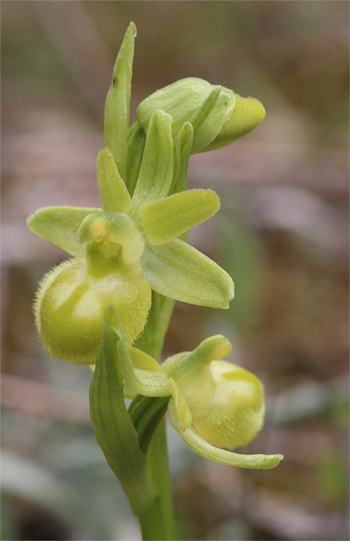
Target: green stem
158, 522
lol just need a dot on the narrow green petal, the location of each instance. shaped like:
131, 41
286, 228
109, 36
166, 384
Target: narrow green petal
117, 107
112, 425
166, 219
183, 412
142, 361
144, 382
183, 148
136, 145
158, 161
114, 195
204, 449
216, 117
202, 113
181, 272
190, 364
60, 225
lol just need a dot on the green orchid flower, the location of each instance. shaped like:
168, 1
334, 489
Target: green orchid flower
124, 250
214, 404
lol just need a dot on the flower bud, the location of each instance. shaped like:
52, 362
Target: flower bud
236, 413
218, 115
224, 402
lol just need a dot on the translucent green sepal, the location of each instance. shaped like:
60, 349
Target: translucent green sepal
117, 107
193, 100
181, 272
166, 219
210, 452
59, 225
114, 194
157, 166
137, 381
112, 425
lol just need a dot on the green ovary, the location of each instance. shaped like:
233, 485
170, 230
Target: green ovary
236, 412
70, 303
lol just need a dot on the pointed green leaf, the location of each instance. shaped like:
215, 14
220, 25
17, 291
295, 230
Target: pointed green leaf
117, 107
136, 145
181, 272
208, 451
60, 225
183, 148
114, 195
113, 427
166, 219
158, 161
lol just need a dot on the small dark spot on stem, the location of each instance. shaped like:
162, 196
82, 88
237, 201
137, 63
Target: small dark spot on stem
114, 81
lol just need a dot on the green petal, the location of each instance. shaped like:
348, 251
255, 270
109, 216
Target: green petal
183, 148
114, 195
117, 107
136, 145
60, 225
143, 382
216, 117
112, 425
166, 219
183, 412
204, 449
142, 361
181, 272
158, 161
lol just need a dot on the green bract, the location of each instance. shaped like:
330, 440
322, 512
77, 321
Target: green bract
217, 114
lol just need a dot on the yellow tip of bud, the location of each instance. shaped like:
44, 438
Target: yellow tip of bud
247, 115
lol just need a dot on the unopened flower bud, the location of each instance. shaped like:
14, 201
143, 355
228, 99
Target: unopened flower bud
218, 115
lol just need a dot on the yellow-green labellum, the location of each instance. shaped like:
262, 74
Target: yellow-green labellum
236, 413
70, 304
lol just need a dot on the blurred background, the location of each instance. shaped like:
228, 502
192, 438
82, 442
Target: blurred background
282, 233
